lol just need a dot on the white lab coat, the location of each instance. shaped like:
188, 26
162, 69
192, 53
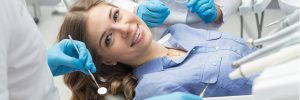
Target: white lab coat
180, 14
24, 73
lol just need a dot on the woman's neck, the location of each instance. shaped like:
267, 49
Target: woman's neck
158, 50
155, 50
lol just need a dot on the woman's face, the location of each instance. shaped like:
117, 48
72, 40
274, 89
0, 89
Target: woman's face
117, 35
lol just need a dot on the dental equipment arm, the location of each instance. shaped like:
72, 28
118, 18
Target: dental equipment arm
277, 36
260, 64
287, 20
289, 23
272, 47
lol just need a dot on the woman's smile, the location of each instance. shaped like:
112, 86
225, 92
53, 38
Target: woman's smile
138, 36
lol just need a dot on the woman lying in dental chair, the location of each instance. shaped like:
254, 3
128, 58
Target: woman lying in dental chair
184, 60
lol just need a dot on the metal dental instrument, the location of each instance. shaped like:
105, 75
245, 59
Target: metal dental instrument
276, 21
101, 90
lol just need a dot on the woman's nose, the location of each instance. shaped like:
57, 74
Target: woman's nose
123, 29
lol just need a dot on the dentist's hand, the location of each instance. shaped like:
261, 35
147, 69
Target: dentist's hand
63, 58
153, 12
176, 96
205, 9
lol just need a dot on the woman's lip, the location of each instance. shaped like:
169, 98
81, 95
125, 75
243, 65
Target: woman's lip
141, 36
134, 37
137, 36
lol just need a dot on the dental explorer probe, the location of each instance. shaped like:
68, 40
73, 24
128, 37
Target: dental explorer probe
101, 90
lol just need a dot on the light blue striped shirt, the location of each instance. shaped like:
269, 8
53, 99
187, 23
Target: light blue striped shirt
206, 65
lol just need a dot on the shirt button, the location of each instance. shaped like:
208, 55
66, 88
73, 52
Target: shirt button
217, 48
238, 51
193, 50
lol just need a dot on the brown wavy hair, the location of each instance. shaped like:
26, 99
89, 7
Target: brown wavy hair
119, 78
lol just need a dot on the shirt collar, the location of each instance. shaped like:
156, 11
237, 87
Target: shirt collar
148, 67
161, 63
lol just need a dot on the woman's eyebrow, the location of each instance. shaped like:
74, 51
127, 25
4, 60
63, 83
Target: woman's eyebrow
102, 35
110, 12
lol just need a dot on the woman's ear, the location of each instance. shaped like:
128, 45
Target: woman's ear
109, 62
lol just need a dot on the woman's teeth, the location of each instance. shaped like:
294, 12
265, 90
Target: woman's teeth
137, 36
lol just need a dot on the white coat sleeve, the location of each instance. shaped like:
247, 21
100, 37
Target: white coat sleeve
228, 7
128, 5
3, 54
3, 64
24, 73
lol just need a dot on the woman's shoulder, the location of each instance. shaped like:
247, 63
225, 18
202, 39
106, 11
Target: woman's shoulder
183, 30
152, 85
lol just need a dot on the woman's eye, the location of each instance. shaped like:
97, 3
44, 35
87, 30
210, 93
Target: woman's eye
108, 39
116, 15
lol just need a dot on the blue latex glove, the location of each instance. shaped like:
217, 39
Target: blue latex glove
205, 9
63, 58
153, 12
176, 96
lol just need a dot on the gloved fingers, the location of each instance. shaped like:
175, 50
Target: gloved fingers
68, 48
156, 14
155, 17
81, 47
209, 12
151, 19
157, 6
199, 5
211, 15
70, 62
89, 64
85, 69
146, 14
85, 57
66, 43
202, 2
140, 10
83, 51
151, 24
191, 3
203, 7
